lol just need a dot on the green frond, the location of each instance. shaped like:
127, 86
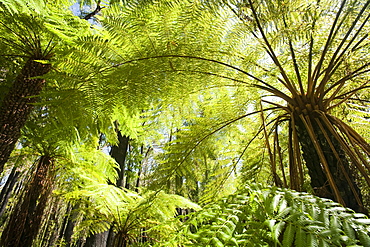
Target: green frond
128, 211
21, 6
35, 28
259, 219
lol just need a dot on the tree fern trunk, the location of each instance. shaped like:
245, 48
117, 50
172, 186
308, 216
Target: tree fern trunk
110, 239
25, 220
6, 192
69, 224
50, 226
119, 153
319, 180
97, 240
17, 106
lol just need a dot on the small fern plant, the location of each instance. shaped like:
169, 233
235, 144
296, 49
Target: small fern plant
148, 216
256, 216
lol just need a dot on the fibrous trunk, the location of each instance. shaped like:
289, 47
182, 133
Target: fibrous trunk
8, 188
97, 240
339, 168
25, 220
17, 106
119, 153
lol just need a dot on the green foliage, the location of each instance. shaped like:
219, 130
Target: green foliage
128, 212
303, 68
144, 55
203, 152
35, 28
19, 6
256, 216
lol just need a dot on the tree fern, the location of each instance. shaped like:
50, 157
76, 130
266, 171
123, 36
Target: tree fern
28, 37
301, 61
127, 211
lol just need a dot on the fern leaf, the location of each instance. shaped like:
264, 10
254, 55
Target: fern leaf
216, 242
334, 222
282, 206
324, 217
323, 243
222, 235
285, 212
276, 202
348, 230
230, 225
19, 6
233, 242
312, 241
262, 223
363, 221
364, 238
300, 238
289, 234
277, 229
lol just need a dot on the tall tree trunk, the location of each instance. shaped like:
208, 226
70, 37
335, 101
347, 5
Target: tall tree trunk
97, 240
50, 226
338, 168
25, 220
7, 189
17, 105
69, 223
119, 153
110, 239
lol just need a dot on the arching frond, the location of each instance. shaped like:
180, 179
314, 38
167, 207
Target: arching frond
127, 211
257, 216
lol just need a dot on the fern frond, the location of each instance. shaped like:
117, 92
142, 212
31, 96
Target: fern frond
299, 226
21, 6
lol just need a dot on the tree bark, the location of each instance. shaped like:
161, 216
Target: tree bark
97, 240
17, 105
95, 12
119, 153
319, 180
6, 192
110, 239
25, 220
69, 223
